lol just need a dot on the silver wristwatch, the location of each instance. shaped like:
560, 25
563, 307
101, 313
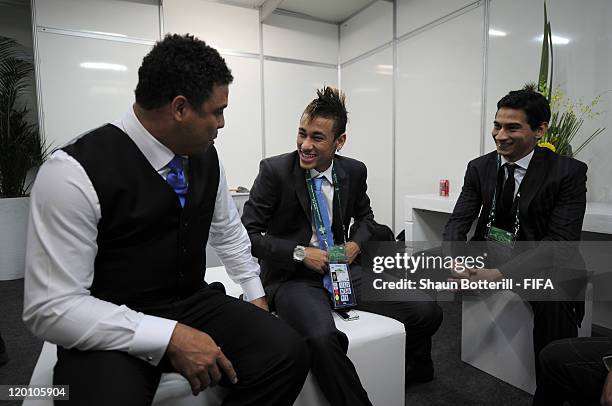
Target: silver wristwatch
298, 253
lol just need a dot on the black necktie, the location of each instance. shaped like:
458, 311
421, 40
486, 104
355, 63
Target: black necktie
505, 189
508, 189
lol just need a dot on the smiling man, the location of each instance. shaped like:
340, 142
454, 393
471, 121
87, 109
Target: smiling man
115, 264
524, 193
291, 236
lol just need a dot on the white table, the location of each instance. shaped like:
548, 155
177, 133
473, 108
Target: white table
425, 216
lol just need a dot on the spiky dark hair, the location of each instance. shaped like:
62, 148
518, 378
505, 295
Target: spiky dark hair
180, 65
329, 104
534, 105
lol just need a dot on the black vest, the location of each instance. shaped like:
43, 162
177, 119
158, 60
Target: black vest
151, 252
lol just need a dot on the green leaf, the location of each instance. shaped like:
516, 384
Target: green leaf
550, 86
543, 76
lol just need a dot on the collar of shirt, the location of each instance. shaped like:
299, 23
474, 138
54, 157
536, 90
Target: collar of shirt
327, 174
156, 153
521, 163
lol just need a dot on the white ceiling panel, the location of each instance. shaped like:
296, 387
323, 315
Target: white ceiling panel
333, 11
242, 3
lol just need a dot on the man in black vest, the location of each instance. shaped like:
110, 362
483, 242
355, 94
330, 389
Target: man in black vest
528, 194
115, 262
280, 218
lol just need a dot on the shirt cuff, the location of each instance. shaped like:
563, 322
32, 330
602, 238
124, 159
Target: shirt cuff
151, 338
252, 288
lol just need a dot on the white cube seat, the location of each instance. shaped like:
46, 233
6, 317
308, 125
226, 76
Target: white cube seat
497, 336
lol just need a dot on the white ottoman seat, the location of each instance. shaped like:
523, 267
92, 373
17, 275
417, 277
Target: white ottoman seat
497, 336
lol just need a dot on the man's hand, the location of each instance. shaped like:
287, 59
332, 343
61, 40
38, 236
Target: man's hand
475, 274
485, 274
261, 302
195, 355
316, 259
606, 393
351, 249
461, 272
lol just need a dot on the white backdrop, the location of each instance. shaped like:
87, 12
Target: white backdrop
76, 99
367, 84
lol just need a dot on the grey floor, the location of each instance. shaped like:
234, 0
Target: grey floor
456, 383
22, 347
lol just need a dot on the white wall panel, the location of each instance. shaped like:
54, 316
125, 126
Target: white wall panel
366, 31
239, 143
288, 89
412, 14
138, 19
438, 106
582, 67
297, 38
522, 22
76, 99
220, 25
368, 87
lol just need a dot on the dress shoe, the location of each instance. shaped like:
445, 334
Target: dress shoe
419, 373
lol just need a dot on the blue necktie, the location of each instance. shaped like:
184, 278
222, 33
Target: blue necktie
176, 178
318, 182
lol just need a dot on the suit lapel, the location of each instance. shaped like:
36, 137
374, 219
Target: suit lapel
533, 180
343, 180
490, 182
300, 189
340, 212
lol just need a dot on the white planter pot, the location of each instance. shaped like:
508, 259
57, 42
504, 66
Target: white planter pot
13, 224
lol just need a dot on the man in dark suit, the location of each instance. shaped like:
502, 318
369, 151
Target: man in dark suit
528, 194
578, 370
279, 220
3, 355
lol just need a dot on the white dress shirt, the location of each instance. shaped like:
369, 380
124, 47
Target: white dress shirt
520, 170
61, 249
328, 191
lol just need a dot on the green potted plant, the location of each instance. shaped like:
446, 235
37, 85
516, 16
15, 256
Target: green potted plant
567, 116
22, 149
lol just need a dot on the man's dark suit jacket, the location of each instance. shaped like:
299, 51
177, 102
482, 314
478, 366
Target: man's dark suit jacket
278, 216
551, 205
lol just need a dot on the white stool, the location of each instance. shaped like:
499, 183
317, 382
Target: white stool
374, 340
497, 336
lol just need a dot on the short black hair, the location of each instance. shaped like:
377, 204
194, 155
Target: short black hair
180, 65
534, 105
329, 104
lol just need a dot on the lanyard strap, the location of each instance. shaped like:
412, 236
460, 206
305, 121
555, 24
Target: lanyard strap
492, 212
317, 209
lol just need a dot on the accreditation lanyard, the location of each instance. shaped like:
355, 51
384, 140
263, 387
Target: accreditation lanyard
495, 233
338, 280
